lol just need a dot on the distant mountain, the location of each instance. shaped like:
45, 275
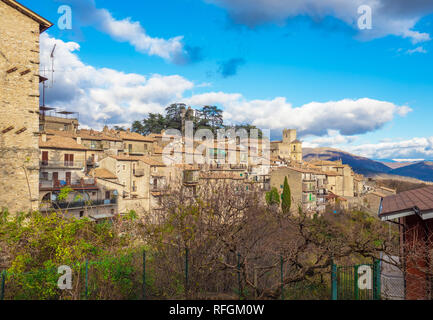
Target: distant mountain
396, 165
419, 170
422, 170
359, 164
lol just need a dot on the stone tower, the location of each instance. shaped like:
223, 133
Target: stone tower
19, 106
289, 135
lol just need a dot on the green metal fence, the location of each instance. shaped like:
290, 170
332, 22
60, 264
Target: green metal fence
356, 282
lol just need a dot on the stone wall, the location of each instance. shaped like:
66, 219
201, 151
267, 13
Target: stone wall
19, 106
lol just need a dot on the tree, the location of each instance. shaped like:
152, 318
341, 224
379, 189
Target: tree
286, 198
273, 197
173, 116
154, 123
138, 127
210, 117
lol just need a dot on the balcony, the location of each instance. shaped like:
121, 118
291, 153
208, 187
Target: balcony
51, 164
83, 204
138, 172
308, 198
308, 187
238, 166
75, 184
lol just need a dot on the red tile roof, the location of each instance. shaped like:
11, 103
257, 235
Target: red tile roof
59, 142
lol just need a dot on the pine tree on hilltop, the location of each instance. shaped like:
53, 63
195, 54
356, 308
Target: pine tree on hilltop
286, 198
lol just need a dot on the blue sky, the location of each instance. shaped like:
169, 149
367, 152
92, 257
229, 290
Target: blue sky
274, 63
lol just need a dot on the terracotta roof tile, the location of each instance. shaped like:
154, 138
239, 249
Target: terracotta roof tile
102, 173
59, 142
147, 160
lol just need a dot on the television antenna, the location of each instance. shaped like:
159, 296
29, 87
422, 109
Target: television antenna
52, 64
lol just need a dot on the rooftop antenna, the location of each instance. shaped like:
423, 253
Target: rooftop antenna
52, 64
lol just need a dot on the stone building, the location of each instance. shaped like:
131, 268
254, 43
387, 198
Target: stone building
63, 164
290, 148
19, 105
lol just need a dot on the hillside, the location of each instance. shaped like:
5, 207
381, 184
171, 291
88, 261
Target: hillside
421, 170
396, 165
359, 164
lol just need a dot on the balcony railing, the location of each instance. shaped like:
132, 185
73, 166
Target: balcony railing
73, 184
308, 187
61, 164
83, 204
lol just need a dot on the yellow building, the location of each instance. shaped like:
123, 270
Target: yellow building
290, 148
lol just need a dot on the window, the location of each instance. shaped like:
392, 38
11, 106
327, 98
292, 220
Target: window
44, 175
69, 160
145, 147
124, 167
81, 214
44, 158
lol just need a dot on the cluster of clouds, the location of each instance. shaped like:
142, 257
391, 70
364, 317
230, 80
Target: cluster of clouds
418, 148
173, 50
106, 96
103, 95
390, 17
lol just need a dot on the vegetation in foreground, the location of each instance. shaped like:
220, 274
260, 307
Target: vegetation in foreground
221, 243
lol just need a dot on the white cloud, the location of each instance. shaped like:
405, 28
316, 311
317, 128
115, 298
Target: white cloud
126, 30
107, 96
389, 17
421, 148
416, 50
347, 116
332, 139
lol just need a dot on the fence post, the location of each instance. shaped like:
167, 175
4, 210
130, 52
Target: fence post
2, 290
186, 271
355, 283
87, 279
376, 287
239, 276
144, 275
334, 282
282, 277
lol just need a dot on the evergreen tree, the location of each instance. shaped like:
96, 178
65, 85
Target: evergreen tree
273, 197
286, 198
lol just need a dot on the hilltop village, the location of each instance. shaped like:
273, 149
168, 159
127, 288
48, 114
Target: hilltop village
111, 172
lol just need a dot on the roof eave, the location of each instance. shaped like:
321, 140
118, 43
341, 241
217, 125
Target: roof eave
43, 23
396, 215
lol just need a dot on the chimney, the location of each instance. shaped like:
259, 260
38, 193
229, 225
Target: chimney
105, 130
44, 137
128, 130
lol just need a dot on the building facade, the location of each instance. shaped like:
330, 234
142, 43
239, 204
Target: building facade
19, 105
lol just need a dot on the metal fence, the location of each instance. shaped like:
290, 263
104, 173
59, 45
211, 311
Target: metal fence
356, 282
172, 273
